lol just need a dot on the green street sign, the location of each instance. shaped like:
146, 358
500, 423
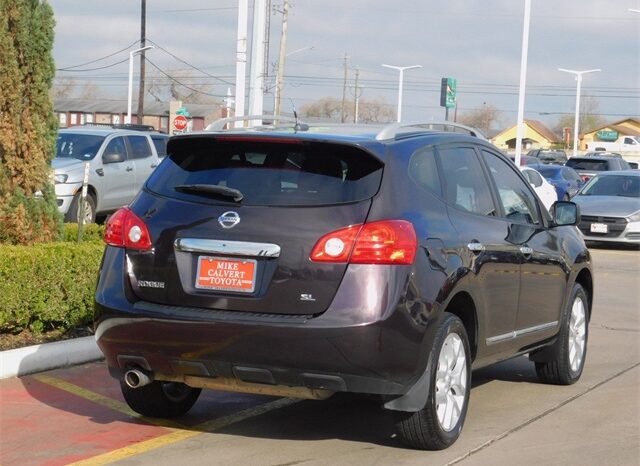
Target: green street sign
607, 135
448, 92
182, 111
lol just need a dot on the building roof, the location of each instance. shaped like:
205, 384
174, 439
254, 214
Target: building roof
536, 126
616, 125
151, 108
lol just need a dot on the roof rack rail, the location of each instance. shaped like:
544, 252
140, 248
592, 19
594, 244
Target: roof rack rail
132, 127
391, 131
220, 124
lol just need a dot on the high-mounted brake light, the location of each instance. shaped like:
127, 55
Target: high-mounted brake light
382, 242
126, 230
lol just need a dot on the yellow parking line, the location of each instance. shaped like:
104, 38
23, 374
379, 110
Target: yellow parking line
179, 435
104, 401
178, 432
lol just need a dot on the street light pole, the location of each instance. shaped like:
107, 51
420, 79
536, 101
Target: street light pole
523, 80
130, 93
280, 75
578, 75
401, 69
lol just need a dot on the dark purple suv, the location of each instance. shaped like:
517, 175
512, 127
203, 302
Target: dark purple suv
303, 263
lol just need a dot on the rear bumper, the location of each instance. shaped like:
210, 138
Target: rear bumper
376, 345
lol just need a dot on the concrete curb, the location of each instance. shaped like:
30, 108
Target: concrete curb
38, 358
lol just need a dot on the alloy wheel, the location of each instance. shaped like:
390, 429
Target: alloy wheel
451, 382
577, 334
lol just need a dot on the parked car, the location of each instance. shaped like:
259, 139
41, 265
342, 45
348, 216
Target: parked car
120, 160
549, 156
545, 191
565, 180
527, 161
588, 167
610, 207
633, 165
303, 263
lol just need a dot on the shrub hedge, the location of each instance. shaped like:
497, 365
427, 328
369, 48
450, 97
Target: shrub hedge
50, 285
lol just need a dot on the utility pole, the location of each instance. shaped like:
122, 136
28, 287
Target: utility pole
356, 98
143, 40
241, 59
344, 90
281, 58
256, 74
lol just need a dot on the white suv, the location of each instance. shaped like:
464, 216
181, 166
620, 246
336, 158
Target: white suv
120, 160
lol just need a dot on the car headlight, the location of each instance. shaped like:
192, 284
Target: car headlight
59, 179
635, 217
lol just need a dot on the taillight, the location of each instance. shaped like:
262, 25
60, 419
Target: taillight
126, 230
383, 242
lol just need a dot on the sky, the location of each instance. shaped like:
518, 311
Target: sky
477, 42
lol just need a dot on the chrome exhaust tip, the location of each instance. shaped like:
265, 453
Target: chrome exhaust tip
135, 378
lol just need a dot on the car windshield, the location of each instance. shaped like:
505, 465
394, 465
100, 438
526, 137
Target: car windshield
615, 185
78, 146
592, 165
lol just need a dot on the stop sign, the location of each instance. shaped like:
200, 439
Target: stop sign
180, 122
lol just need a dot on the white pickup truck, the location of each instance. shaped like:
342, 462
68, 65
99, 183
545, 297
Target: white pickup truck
622, 144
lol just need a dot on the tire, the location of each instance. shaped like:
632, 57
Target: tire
566, 359
437, 425
89, 208
160, 399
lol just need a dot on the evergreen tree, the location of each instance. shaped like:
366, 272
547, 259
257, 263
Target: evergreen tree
28, 210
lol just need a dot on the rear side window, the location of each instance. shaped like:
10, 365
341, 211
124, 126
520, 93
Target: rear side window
160, 143
466, 187
569, 174
424, 171
268, 173
593, 165
139, 147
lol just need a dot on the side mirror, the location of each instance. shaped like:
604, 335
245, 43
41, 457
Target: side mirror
565, 213
112, 157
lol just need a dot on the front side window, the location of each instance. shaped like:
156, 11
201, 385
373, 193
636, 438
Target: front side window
466, 187
424, 172
518, 202
139, 147
116, 146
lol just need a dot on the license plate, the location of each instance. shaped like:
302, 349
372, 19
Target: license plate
237, 275
599, 228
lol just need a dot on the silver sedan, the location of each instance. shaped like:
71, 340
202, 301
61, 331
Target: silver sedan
610, 207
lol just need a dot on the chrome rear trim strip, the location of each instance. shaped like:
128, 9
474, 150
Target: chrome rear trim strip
231, 248
521, 332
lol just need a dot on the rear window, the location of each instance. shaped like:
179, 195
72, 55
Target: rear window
593, 165
268, 173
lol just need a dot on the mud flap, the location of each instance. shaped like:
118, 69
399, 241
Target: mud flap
416, 398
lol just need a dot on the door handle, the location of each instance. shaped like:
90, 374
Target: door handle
154, 165
475, 247
129, 169
526, 251
100, 171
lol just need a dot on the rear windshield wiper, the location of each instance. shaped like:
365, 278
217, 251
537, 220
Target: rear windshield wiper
210, 189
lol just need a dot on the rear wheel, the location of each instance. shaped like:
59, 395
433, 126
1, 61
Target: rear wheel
439, 423
160, 399
566, 361
73, 215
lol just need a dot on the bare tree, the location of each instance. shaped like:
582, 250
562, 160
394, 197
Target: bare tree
589, 117
369, 111
67, 87
484, 117
181, 87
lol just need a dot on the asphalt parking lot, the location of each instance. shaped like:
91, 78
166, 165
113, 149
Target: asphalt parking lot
77, 415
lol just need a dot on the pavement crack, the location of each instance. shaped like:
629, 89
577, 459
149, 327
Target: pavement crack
617, 329
541, 415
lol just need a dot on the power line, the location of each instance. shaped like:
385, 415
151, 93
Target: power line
180, 83
94, 69
68, 68
189, 64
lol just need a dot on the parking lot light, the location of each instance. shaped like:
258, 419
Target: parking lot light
401, 69
131, 54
